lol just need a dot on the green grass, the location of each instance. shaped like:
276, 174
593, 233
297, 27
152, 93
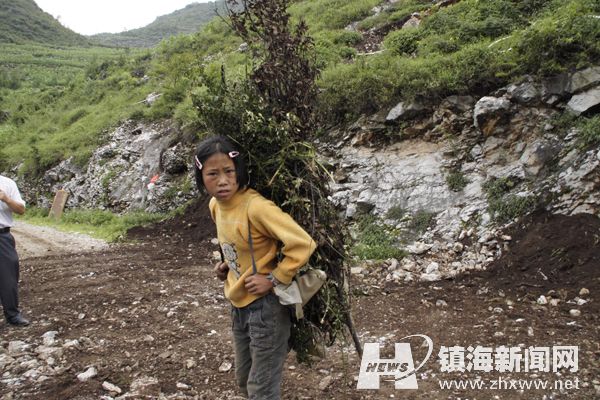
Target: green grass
96, 223
375, 241
588, 127
332, 14
63, 110
590, 131
36, 65
504, 206
59, 102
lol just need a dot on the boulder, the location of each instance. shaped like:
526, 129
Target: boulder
174, 160
404, 111
491, 114
584, 102
537, 155
524, 93
584, 79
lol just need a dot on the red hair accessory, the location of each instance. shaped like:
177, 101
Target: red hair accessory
198, 163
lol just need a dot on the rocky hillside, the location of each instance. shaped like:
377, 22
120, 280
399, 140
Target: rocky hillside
22, 21
467, 168
184, 21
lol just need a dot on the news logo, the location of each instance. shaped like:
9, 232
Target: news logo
401, 368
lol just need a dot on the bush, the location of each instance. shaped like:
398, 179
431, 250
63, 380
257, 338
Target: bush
375, 241
421, 220
456, 181
563, 122
348, 38
10, 78
347, 53
396, 213
511, 207
590, 131
567, 37
496, 188
505, 207
353, 89
471, 20
403, 41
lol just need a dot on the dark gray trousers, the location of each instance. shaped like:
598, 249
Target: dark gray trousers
9, 276
261, 331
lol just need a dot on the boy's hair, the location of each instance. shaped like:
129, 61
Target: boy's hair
220, 144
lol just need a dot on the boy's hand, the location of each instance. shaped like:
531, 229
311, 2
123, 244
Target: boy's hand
258, 284
222, 269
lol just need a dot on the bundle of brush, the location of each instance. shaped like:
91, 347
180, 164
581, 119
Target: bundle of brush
270, 115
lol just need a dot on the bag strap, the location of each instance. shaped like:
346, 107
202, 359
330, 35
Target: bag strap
221, 253
251, 249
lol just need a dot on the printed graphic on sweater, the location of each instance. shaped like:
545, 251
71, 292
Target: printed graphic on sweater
231, 257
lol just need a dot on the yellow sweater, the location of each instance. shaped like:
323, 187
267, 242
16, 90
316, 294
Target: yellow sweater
269, 226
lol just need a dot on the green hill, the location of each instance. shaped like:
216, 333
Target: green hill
22, 21
184, 21
57, 103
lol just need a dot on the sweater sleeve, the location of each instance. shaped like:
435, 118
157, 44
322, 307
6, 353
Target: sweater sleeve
297, 245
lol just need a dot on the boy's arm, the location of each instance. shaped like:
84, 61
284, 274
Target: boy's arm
16, 206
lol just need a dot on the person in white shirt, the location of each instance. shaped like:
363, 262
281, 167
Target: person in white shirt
10, 201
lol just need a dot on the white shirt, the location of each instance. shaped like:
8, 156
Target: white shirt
9, 187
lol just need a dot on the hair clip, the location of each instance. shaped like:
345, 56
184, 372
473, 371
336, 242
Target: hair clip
233, 154
197, 162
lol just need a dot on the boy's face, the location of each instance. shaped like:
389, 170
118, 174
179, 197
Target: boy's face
219, 176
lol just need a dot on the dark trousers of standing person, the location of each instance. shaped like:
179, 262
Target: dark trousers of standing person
9, 276
260, 332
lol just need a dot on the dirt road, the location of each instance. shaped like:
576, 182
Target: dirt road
38, 241
149, 319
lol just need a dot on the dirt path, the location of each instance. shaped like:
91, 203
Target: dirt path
38, 241
150, 318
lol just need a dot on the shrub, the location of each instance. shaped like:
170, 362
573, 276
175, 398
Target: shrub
348, 38
510, 207
503, 206
496, 188
566, 37
470, 20
456, 181
403, 41
353, 89
396, 213
590, 131
347, 53
375, 241
421, 220
563, 122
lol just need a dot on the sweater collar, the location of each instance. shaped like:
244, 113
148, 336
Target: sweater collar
235, 200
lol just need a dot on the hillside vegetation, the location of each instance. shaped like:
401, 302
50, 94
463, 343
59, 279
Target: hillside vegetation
188, 20
367, 62
22, 21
